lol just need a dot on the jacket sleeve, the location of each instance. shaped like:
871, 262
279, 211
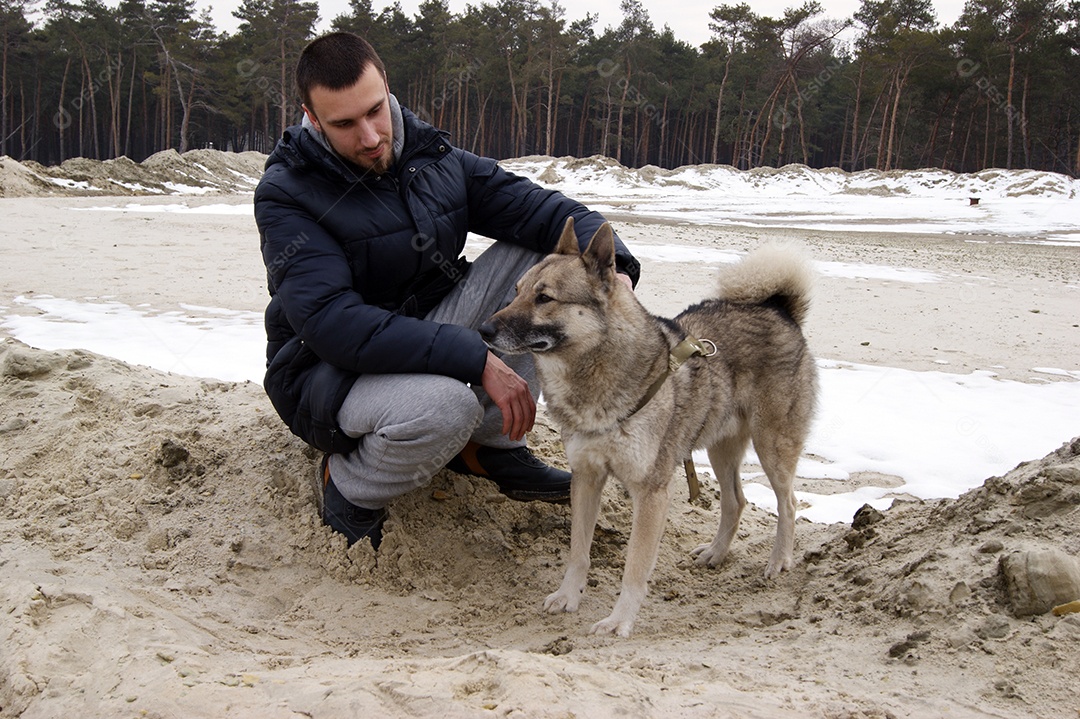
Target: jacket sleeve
309, 273
511, 208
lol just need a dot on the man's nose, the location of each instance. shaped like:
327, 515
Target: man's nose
369, 134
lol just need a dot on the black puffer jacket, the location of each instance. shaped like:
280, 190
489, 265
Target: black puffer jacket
354, 261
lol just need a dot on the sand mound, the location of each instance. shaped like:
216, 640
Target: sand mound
162, 557
168, 172
212, 171
603, 175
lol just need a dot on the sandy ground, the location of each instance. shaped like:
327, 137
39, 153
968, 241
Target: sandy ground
162, 556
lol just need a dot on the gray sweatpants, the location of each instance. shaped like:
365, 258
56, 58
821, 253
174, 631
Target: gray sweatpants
411, 425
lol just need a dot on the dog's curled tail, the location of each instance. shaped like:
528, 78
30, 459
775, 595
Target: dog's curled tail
776, 272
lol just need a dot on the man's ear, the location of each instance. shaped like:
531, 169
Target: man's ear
568, 244
311, 116
599, 256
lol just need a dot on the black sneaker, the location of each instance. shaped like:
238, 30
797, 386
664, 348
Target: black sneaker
344, 517
517, 472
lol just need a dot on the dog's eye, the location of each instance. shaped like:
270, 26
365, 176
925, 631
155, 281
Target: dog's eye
542, 299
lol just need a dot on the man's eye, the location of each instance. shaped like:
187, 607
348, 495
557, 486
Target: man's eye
542, 299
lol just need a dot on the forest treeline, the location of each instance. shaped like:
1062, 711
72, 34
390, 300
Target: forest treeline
889, 88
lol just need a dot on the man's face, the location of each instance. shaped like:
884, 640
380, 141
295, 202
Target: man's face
356, 120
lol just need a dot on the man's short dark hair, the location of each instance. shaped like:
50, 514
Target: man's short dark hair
335, 61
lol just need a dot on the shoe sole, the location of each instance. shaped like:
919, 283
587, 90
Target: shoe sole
517, 495
520, 496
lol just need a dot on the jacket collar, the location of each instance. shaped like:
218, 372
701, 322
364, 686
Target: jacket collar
304, 147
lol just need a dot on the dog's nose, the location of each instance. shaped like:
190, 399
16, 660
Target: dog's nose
487, 331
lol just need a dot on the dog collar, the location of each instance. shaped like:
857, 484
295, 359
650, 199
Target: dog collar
683, 351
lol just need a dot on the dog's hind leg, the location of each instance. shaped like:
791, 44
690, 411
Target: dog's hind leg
586, 486
779, 457
726, 457
650, 507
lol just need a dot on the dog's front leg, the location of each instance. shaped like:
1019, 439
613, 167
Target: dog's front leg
650, 505
586, 486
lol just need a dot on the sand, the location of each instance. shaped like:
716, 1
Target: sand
162, 556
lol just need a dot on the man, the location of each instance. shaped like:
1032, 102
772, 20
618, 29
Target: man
372, 353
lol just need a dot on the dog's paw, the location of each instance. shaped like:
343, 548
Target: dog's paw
706, 556
613, 625
778, 564
561, 601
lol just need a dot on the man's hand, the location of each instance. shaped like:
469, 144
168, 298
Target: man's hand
625, 279
511, 394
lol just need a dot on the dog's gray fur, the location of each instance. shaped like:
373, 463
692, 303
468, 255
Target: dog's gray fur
598, 350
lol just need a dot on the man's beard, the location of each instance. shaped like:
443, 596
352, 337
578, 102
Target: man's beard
378, 166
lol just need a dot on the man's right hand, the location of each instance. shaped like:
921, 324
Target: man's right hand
511, 395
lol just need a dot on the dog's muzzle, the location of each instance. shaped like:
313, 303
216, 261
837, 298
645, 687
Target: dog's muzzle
503, 338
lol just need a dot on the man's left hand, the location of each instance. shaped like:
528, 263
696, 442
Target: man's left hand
511, 395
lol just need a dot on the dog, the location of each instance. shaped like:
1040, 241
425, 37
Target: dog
634, 395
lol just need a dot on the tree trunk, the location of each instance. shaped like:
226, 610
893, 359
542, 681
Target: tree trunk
1024, 139
185, 127
950, 143
93, 111
860, 147
131, 105
4, 97
802, 125
23, 120
605, 137
900, 82
855, 118
1009, 108
583, 123
622, 113
967, 141
479, 138
844, 137
282, 59
934, 129
63, 119
661, 155
766, 111
549, 125
82, 116
880, 163
719, 107
115, 94
1076, 165
739, 148
515, 109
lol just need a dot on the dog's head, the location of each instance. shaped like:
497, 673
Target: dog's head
561, 301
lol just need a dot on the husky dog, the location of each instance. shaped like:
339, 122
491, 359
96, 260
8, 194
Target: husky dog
634, 394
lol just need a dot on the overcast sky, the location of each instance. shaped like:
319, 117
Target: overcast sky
688, 19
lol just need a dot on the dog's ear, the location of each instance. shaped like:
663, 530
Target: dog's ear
599, 256
568, 242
